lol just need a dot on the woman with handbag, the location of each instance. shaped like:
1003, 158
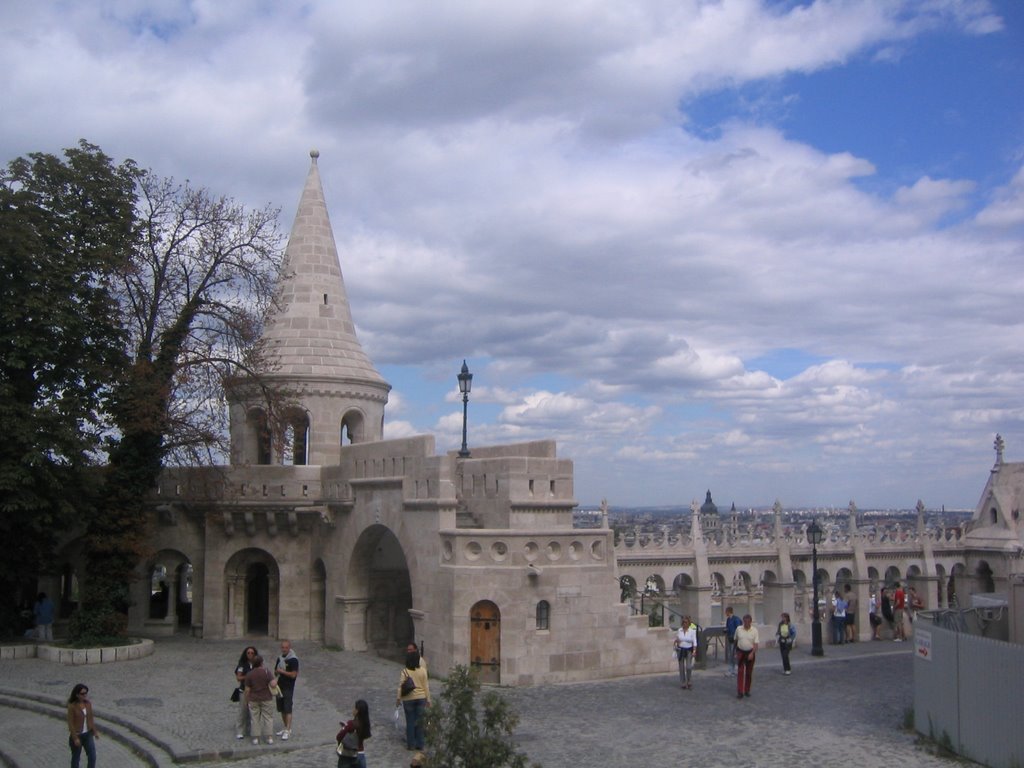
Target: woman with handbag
259, 685
352, 735
414, 695
243, 727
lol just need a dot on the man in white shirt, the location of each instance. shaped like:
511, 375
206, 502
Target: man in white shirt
746, 651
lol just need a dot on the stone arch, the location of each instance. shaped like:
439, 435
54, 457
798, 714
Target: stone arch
957, 576
985, 577
353, 427
654, 584
892, 575
257, 437
769, 577
800, 578
913, 571
741, 583
379, 587
296, 437
717, 585
70, 565
844, 576
252, 582
317, 600
627, 588
169, 574
681, 581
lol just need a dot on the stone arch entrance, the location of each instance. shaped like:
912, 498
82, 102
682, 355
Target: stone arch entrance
251, 594
485, 641
379, 595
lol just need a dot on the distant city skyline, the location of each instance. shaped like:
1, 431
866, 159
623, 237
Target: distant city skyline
769, 248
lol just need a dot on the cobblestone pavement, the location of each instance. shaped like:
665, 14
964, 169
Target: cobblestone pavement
173, 707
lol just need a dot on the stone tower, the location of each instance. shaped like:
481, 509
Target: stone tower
333, 394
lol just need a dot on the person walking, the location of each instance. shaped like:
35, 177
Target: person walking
414, 698
785, 633
82, 733
899, 603
887, 614
747, 640
350, 738
43, 612
243, 724
258, 698
686, 649
732, 623
851, 614
838, 619
286, 668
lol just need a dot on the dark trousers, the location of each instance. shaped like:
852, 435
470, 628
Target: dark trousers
784, 651
744, 670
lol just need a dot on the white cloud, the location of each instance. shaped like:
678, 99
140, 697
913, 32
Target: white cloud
521, 184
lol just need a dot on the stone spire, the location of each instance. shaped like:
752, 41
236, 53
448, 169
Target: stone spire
311, 333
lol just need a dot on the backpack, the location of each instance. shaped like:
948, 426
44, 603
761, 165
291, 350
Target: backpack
784, 631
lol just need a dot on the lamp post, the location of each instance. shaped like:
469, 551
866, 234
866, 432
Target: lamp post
814, 534
465, 384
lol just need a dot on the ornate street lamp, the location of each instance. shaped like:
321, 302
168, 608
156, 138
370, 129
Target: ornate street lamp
465, 384
814, 535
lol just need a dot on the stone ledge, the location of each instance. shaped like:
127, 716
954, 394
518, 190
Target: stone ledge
78, 656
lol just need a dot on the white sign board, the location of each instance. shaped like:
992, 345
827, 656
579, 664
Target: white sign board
923, 644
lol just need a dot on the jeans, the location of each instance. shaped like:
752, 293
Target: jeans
685, 666
86, 742
362, 760
413, 727
784, 651
730, 653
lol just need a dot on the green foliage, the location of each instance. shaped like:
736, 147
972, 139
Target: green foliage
67, 229
460, 736
126, 301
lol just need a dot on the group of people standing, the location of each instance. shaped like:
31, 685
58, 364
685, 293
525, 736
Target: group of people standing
258, 690
258, 687
742, 641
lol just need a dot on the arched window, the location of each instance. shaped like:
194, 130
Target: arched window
543, 615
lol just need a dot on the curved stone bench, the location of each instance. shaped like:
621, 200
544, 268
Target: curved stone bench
77, 656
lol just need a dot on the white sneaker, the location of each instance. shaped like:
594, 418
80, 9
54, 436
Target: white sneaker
282, 732
255, 742
286, 735
239, 736
270, 740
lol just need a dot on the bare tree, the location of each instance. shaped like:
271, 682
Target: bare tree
195, 297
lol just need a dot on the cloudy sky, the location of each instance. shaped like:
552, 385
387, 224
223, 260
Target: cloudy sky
774, 249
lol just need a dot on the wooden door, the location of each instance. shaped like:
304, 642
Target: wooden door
485, 641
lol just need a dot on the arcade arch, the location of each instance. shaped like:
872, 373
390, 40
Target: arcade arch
252, 582
378, 577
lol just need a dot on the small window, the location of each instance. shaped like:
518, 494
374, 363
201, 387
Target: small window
995, 516
543, 615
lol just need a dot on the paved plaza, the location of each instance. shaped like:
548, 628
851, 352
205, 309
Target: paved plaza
172, 707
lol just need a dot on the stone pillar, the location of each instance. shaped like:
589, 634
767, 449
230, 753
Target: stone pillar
695, 601
353, 622
779, 598
862, 623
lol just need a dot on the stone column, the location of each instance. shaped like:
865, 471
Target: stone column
353, 622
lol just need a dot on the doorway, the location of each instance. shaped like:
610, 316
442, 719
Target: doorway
485, 642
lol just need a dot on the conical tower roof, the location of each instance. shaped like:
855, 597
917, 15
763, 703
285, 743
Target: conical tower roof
311, 333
